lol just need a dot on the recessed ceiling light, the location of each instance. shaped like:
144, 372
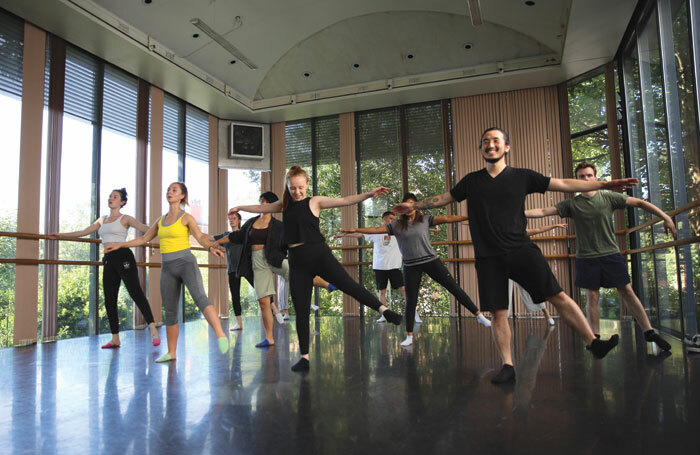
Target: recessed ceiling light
530, 3
355, 65
307, 74
232, 62
409, 56
468, 46
147, 2
195, 35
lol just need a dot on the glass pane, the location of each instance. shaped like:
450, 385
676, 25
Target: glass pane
426, 177
593, 148
10, 117
587, 104
197, 181
75, 214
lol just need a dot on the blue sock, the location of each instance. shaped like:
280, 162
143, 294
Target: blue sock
331, 288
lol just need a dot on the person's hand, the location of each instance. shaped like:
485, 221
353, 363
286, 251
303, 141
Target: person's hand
379, 191
339, 235
621, 184
670, 227
347, 231
433, 230
216, 251
561, 225
403, 208
233, 210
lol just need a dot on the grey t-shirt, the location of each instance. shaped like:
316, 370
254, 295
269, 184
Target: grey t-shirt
414, 242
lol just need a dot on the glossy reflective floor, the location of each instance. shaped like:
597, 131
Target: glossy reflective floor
364, 394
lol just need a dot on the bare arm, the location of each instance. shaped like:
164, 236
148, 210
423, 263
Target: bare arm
189, 221
575, 185
369, 230
549, 227
275, 207
669, 226
87, 231
318, 203
449, 219
134, 223
541, 212
430, 203
138, 241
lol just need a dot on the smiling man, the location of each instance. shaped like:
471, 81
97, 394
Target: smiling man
598, 259
496, 208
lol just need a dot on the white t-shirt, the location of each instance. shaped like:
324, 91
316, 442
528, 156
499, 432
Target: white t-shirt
386, 255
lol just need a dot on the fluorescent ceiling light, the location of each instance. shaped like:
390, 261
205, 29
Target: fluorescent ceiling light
475, 12
222, 42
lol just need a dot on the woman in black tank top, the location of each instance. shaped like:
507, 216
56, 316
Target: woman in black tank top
310, 256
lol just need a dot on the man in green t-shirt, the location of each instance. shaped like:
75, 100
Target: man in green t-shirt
598, 259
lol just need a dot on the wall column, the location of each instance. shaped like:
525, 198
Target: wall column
29, 200
155, 189
348, 186
141, 181
217, 277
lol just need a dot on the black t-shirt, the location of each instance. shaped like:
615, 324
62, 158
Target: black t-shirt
496, 207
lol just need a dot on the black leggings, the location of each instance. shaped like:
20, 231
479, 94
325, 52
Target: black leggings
120, 265
305, 262
438, 272
234, 285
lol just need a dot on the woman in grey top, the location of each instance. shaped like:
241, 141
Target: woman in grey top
413, 236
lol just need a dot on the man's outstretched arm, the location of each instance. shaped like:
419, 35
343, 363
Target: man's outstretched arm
574, 185
430, 203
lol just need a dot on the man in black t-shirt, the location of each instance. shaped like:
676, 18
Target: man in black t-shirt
497, 223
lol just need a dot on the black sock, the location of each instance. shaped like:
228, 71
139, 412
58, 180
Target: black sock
597, 335
301, 365
600, 348
392, 317
654, 337
506, 374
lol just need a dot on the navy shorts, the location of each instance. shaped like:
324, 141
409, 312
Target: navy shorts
384, 276
602, 272
527, 266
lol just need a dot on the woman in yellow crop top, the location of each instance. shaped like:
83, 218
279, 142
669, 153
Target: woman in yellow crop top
179, 266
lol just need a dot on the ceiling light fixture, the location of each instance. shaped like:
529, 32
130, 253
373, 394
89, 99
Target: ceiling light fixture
222, 42
475, 12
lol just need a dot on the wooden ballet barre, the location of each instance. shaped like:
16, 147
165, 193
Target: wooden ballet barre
25, 261
460, 242
686, 208
660, 246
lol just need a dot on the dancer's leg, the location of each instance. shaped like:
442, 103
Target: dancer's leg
170, 284
234, 285
110, 287
301, 286
629, 298
129, 274
593, 309
267, 318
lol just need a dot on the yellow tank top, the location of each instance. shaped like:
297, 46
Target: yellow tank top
175, 237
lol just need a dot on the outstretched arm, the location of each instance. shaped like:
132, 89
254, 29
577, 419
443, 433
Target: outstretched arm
189, 221
319, 203
369, 230
574, 185
138, 241
549, 227
430, 203
134, 223
541, 212
87, 231
654, 210
449, 219
275, 207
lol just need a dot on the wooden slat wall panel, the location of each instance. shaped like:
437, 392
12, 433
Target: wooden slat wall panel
531, 117
348, 186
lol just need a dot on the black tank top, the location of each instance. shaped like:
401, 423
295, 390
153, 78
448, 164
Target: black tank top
257, 236
300, 224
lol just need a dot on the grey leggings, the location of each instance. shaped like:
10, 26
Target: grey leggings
173, 274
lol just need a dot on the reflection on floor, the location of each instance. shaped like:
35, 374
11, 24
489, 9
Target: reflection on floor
364, 394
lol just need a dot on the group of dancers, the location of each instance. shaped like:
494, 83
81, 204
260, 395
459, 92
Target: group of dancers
296, 250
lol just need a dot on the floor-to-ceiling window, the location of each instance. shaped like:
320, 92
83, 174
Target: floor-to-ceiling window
11, 45
661, 142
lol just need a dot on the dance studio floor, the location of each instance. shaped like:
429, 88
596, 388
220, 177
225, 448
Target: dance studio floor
364, 394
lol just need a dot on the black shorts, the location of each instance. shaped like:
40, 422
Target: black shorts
526, 266
384, 276
602, 272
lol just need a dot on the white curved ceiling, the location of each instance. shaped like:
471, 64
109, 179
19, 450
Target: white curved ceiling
517, 46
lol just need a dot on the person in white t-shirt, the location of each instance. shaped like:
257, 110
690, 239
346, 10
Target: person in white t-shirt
386, 261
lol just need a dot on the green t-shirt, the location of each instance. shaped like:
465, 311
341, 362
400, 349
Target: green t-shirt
595, 231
